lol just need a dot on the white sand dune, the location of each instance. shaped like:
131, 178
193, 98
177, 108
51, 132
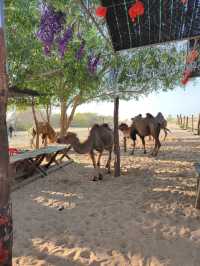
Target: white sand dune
143, 218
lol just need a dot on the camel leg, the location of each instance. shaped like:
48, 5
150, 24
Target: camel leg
125, 145
92, 156
133, 150
143, 142
109, 161
165, 133
99, 165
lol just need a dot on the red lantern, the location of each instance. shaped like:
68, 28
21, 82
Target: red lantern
101, 11
136, 10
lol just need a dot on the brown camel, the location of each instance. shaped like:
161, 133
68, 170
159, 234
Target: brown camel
46, 131
100, 138
147, 126
162, 121
126, 131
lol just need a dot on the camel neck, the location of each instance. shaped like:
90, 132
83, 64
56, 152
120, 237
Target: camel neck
82, 147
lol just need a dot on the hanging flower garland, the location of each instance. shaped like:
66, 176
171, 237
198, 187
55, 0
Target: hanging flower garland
93, 62
50, 30
136, 10
191, 58
64, 41
51, 24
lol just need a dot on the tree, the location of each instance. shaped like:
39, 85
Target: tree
6, 232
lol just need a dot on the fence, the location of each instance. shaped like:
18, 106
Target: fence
189, 123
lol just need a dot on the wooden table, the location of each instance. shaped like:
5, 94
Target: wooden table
25, 164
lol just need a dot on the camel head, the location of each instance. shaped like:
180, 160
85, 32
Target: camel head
123, 127
67, 139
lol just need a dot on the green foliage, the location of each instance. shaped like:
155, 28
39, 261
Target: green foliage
141, 71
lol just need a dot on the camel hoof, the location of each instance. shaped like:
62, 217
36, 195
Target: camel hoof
95, 178
100, 177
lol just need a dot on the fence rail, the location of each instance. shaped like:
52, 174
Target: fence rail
189, 123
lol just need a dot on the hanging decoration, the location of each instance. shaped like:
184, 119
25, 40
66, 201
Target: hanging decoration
93, 62
63, 42
192, 56
81, 51
101, 11
191, 61
186, 76
136, 10
51, 24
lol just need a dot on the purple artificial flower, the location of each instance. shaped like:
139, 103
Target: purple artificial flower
63, 42
93, 62
81, 51
51, 24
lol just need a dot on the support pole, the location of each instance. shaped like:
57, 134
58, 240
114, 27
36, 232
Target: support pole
192, 123
116, 137
6, 233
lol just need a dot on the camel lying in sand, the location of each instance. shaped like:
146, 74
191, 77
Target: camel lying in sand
147, 126
100, 138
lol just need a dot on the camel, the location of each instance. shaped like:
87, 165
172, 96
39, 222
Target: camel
128, 133
44, 129
100, 138
147, 126
162, 121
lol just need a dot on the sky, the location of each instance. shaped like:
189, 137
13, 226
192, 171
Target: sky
185, 101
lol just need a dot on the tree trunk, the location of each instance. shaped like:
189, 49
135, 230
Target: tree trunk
63, 118
75, 105
116, 138
36, 125
48, 113
6, 232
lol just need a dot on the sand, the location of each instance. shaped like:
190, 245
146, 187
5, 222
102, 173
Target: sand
143, 218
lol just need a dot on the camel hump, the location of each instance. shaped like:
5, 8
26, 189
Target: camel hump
149, 115
106, 125
95, 126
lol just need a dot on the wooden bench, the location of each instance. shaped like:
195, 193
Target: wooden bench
25, 164
197, 202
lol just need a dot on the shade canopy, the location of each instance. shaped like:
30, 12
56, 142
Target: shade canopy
163, 21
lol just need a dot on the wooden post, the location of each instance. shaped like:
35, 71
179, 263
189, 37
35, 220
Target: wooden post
184, 120
178, 120
181, 121
198, 126
6, 232
192, 123
36, 124
116, 137
187, 121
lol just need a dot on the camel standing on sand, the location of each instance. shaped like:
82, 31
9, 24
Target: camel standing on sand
147, 126
100, 138
44, 129
162, 121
